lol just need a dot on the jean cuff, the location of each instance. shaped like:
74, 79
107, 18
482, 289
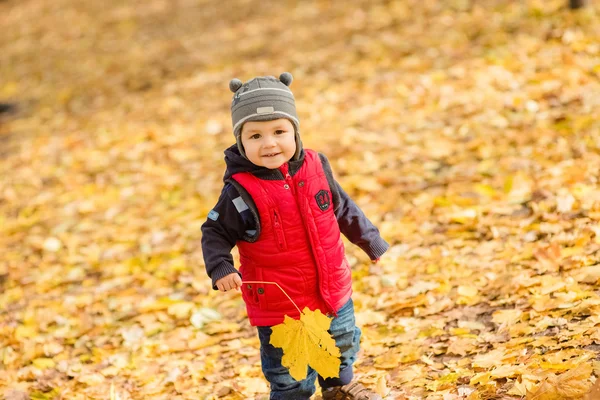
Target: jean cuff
345, 378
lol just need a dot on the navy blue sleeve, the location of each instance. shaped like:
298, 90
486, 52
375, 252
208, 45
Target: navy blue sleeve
352, 221
224, 226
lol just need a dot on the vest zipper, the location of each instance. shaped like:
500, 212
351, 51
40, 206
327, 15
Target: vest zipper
288, 179
278, 231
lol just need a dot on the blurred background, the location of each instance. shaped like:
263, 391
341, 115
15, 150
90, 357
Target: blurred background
456, 125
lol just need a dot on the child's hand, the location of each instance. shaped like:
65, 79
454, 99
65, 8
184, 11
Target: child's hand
229, 282
375, 267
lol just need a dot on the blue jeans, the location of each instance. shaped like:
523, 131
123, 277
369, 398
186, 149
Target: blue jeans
347, 338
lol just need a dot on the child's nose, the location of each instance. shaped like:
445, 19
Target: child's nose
269, 141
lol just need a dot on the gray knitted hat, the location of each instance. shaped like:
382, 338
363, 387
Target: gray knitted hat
263, 98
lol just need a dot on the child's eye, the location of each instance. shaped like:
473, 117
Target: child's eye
279, 132
255, 136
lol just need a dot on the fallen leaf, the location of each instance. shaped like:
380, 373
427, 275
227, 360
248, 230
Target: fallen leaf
572, 384
594, 393
506, 317
467, 291
381, 387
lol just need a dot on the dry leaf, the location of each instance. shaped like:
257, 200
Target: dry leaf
381, 387
594, 393
507, 317
572, 384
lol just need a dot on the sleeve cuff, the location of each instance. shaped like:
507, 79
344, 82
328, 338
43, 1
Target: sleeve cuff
221, 271
376, 248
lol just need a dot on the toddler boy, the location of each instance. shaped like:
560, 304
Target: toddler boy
284, 210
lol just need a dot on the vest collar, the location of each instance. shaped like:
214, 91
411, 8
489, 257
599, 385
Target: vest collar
277, 174
237, 163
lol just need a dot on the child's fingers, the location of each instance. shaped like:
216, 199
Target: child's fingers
232, 281
237, 281
231, 284
223, 286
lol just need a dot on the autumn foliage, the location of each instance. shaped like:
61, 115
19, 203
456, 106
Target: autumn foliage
468, 131
306, 342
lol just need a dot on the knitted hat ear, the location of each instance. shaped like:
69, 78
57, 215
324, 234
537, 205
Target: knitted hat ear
235, 84
286, 78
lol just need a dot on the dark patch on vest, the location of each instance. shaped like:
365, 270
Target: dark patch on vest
323, 199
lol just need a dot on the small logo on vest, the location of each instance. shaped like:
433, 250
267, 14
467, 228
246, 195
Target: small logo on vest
323, 199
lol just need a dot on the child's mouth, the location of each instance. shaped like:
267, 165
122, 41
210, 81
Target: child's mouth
271, 155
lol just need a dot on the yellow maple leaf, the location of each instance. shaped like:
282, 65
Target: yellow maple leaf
306, 342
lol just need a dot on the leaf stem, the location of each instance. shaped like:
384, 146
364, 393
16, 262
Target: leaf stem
280, 288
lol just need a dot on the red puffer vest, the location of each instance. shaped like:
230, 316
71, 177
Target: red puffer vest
299, 247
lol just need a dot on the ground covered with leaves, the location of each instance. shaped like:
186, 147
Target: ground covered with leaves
468, 131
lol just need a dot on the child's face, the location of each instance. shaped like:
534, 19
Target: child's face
269, 144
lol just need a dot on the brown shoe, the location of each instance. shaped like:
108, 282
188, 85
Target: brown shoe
353, 390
